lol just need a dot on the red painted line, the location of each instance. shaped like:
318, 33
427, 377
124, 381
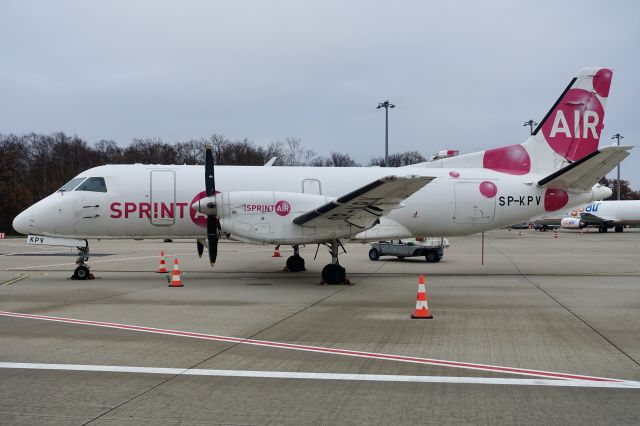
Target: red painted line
319, 349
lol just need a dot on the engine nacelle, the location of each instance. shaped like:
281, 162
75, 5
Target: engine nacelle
266, 217
571, 223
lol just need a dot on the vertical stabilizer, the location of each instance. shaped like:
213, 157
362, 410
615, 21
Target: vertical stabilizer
572, 128
570, 131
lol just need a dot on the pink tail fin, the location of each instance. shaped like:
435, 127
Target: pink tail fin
573, 126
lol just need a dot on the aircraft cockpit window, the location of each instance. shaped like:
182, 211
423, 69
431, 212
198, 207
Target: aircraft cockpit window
93, 184
69, 186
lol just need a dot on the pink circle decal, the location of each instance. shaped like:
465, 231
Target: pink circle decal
573, 128
283, 208
488, 189
602, 82
197, 217
513, 160
454, 175
555, 199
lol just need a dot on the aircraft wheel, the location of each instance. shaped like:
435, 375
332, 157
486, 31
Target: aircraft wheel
432, 257
374, 254
333, 273
619, 229
295, 263
81, 273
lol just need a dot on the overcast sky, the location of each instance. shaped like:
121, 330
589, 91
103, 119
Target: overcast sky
464, 75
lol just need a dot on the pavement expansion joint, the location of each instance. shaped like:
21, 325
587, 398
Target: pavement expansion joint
569, 310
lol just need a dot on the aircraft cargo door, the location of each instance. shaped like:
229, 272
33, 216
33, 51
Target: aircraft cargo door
312, 186
471, 205
163, 197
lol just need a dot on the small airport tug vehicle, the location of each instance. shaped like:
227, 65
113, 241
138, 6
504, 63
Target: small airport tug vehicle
431, 248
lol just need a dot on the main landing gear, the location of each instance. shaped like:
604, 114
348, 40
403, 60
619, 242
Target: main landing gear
333, 273
82, 271
295, 263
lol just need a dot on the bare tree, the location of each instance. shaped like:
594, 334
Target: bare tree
626, 193
109, 151
399, 159
294, 153
190, 151
150, 151
335, 159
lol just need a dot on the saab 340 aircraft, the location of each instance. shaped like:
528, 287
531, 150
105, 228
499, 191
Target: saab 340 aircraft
557, 167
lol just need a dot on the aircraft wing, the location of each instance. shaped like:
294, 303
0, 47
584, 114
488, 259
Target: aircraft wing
587, 171
592, 218
363, 207
549, 221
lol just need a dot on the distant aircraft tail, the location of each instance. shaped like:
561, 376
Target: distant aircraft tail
570, 131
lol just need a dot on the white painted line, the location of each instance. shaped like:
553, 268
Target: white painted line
318, 349
38, 253
120, 259
322, 376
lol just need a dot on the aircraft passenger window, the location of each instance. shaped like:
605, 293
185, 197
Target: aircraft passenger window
69, 186
94, 184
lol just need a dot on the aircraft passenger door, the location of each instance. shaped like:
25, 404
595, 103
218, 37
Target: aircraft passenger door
163, 197
471, 206
311, 186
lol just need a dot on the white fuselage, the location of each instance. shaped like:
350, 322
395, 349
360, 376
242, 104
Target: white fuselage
154, 201
623, 212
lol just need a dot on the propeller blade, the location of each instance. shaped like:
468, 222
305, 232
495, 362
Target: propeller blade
209, 179
212, 238
213, 224
200, 248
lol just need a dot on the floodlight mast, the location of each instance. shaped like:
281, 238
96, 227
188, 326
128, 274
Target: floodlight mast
386, 105
530, 123
618, 136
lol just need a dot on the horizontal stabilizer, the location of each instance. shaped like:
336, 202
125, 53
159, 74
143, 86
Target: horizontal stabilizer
587, 171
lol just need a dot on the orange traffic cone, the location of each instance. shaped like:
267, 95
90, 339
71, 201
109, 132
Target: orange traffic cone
422, 307
555, 233
175, 281
162, 269
276, 253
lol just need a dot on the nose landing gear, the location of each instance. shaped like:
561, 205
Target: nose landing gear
82, 271
295, 263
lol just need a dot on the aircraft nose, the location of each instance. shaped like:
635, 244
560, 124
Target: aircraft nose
23, 223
